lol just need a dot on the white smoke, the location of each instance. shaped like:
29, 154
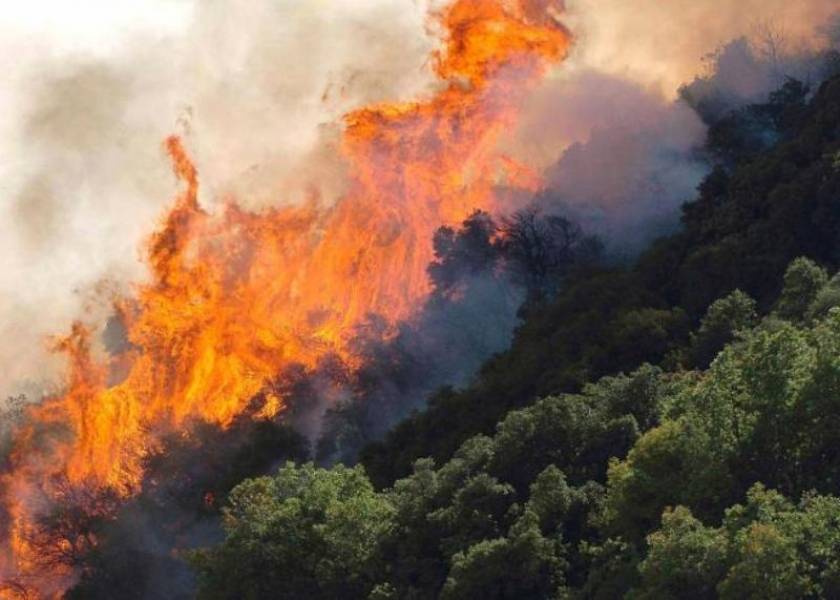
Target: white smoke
257, 87
620, 149
662, 45
638, 164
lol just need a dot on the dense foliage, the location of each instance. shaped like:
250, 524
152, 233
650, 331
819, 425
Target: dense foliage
695, 484
714, 473
753, 216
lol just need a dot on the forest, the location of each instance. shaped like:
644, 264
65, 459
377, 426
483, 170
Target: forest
663, 428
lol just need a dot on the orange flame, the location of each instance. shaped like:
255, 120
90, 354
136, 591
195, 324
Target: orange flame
237, 296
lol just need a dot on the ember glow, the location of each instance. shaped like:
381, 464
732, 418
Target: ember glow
236, 296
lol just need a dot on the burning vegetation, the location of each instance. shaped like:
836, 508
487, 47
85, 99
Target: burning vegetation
448, 277
236, 298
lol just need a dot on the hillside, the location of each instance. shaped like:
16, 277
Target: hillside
698, 484
754, 214
663, 430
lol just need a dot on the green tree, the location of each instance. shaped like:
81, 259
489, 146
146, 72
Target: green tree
611, 568
764, 561
439, 512
520, 566
779, 550
826, 299
803, 281
725, 317
765, 548
576, 433
303, 533
685, 560
670, 464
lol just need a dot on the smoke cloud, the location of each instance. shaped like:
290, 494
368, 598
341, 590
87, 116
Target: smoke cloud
257, 88
632, 160
617, 131
662, 45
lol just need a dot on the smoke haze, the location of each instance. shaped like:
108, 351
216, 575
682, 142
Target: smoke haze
663, 44
258, 104
257, 88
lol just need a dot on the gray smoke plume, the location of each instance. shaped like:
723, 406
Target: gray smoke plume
258, 87
620, 130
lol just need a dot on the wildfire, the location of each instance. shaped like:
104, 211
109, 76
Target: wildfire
236, 296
